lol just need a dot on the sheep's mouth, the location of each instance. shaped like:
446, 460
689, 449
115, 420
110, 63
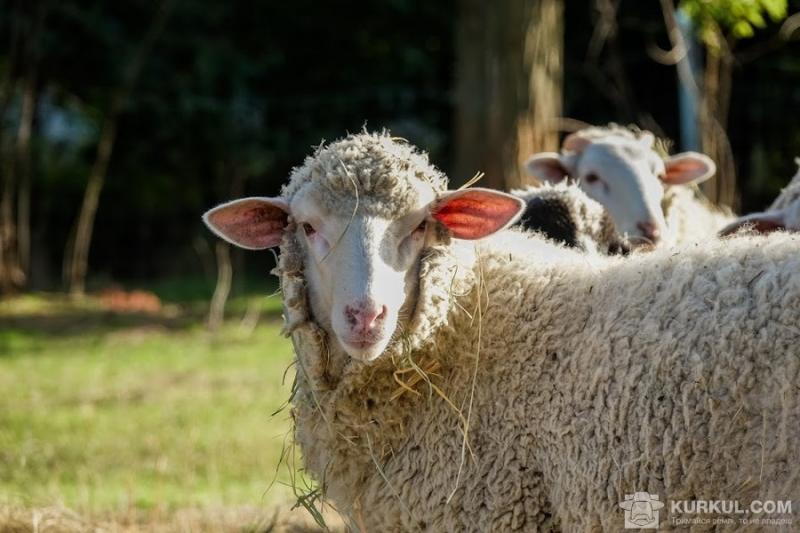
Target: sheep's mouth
365, 348
642, 244
362, 343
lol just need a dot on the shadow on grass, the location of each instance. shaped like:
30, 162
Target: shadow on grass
87, 322
57, 316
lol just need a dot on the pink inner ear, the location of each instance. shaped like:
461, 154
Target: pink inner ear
546, 167
250, 223
476, 214
574, 142
683, 171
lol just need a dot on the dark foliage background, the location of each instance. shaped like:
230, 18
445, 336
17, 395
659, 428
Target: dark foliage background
233, 94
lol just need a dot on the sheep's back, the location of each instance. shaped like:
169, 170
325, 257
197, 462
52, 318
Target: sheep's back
676, 373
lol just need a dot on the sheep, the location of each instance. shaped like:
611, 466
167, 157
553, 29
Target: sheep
783, 214
467, 385
563, 213
648, 196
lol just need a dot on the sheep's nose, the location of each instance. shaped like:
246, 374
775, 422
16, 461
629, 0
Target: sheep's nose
365, 316
649, 231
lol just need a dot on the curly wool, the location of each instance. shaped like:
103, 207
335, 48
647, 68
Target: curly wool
575, 382
375, 169
690, 216
563, 213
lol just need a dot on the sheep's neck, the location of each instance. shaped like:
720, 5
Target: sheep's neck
351, 415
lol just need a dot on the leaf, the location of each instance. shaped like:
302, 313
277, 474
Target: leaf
742, 30
738, 18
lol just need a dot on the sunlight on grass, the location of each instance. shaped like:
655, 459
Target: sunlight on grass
141, 414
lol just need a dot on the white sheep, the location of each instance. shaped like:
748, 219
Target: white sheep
448, 380
563, 213
783, 214
651, 199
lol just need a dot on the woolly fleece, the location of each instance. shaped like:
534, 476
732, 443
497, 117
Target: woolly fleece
691, 217
562, 212
675, 372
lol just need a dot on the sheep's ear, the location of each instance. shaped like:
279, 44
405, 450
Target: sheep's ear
547, 167
627, 505
757, 223
688, 167
476, 213
251, 223
575, 142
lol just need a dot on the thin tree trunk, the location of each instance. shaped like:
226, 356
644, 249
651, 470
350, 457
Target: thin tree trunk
216, 312
11, 276
225, 264
78, 256
10, 273
508, 86
23, 156
23, 160
717, 81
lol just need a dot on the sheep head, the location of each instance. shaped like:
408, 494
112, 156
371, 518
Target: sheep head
363, 212
621, 170
782, 215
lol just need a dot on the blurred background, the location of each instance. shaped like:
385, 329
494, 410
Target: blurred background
140, 358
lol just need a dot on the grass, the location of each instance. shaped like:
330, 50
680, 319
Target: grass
113, 415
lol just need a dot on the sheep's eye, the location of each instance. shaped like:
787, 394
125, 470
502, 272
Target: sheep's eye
308, 229
591, 178
422, 227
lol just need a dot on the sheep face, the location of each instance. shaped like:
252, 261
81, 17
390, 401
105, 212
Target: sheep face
626, 175
361, 265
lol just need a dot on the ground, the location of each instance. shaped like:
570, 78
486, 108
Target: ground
135, 420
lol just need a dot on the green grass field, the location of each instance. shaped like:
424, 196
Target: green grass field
135, 419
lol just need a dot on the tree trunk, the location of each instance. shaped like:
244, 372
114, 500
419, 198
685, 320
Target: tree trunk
11, 276
9, 267
216, 312
508, 86
15, 232
23, 154
717, 80
23, 160
77, 256
225, 264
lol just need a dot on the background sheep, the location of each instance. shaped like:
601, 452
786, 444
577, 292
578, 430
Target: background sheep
783, 214
645, 193
517, 394
564, 213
